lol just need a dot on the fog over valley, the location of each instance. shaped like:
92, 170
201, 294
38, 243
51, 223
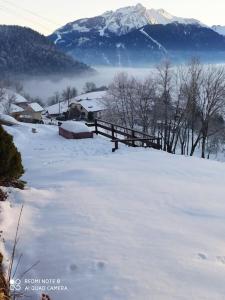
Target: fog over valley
46, 87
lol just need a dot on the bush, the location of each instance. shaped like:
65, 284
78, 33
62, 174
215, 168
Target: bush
3, 195
11, 168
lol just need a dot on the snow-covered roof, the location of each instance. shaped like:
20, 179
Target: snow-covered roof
57, 108
8, 119
18, 98
92, 105
75, 127
91, 102
15, 108
90, 96
36, 107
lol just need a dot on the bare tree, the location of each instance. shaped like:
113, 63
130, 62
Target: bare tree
68, 94
212, 100
56, 98
184, 106
164, 81
145, 94
89, 87
8, 104
120, 100
2, 94
6, 101
191, 82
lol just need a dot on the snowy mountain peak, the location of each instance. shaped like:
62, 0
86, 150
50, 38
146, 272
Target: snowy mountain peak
128, 18
124, 20
139, 6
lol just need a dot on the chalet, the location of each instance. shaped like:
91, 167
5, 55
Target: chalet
32, 113
88, 106
20, 101
83, 107
19, 108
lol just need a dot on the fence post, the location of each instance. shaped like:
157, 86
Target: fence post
113, 131
159, 143
96, 126
116, 146
133, 136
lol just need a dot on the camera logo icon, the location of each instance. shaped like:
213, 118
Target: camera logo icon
15, 285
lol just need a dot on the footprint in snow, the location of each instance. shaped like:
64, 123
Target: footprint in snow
101, 265
73, 267
98, 266
202, 256
221, 259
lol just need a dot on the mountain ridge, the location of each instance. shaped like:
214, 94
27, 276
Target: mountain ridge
131, 34
123, 20
219, 29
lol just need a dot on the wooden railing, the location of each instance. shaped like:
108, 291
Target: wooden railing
120, 134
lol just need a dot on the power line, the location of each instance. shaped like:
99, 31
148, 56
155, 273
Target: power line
31, 12
15, 13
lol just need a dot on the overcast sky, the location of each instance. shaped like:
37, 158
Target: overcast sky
51, 14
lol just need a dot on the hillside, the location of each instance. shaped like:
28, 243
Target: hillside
136, 224
150, 43
26, 52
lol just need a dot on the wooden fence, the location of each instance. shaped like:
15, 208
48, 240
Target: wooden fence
120, 134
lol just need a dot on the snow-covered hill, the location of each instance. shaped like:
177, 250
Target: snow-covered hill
136, 224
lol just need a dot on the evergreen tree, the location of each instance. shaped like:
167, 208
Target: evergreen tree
11, 168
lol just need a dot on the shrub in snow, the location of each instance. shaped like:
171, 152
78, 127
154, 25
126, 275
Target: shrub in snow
11, 168
3, 195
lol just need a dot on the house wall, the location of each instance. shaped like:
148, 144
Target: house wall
27, 113
83, 112
37, 116
16, 115
31, 115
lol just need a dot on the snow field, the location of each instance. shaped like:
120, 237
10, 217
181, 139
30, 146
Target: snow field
136, 224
